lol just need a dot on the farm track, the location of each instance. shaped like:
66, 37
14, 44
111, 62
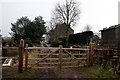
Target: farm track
46, 73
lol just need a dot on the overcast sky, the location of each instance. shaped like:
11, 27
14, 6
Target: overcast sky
96, 13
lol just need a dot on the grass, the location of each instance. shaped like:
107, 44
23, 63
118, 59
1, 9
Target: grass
96, 71
32, 55
56, 71
90, 72
26, 74
13, 73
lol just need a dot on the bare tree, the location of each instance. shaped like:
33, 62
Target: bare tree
67, 13
87, 28
51, 25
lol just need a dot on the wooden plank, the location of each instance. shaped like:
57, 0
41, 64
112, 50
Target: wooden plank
46, 56
72, 63
58, 48
74, 66
55, 48
70, 54
60, 57
102, 49
54, 54
44, 67
26, 58
54, 59
10, 47
79, 54
52, 63
82, 58
76, 49
21, 51
71, 66
8, 57
64, 54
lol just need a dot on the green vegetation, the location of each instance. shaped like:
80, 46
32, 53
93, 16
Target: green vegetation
32, 55
56, 71
31, 73
7, 40
96, 71
89, 72
30, 31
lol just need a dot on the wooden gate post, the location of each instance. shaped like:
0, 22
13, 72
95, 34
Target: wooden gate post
26, 57
60, 57
90, 55
21, 51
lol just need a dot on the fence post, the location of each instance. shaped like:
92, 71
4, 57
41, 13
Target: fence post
49, 52
60, 57
88, 58
21, 51
26, 57
6, 50
90, 55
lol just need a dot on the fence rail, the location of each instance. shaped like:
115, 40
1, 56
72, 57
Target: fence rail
10, 47
60, 52
78, 56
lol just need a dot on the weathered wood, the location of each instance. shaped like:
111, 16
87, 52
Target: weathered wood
54, 54
65, 61
21, 51
46, 56
60, 57
9, 57
70, 54
26, 58
44, 67
65, 54
55, 48
90, 55
76, 49
72, 66
79, 54
49, 60
53, 63
70, 58
10, 48
42, 63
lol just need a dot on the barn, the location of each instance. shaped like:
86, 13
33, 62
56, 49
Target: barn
110, 37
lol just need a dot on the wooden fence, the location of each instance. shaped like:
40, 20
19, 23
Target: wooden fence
107, 58
54, 57
48, 57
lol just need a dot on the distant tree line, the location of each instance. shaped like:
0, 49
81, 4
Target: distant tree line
30, 31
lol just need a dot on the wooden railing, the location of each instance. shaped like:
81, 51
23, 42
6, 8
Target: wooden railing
74, 54
60, 60
55, 57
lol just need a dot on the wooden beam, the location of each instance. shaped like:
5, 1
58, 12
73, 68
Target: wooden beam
21, 51
60, 57
26, 58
